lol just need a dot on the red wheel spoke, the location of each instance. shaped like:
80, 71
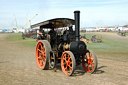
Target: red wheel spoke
66, 68
65, 58
43, 56
69, 66
92, 60
64, 63
40, 62
88, 67
90, 55
69, 63
40, 45
44, 53
92, 66
39, 58
43, 49
39, 50
69, 59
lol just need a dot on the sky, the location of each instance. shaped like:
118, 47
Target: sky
94, 13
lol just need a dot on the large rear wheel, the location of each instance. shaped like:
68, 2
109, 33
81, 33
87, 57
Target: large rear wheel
43, 49
89, 62
68, 63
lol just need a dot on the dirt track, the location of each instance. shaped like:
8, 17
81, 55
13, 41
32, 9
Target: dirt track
18, 67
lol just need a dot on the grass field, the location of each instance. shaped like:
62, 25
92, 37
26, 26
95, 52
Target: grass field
30, 42
113, 46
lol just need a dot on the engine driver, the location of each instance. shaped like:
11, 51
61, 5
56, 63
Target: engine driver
42, 34
52, 34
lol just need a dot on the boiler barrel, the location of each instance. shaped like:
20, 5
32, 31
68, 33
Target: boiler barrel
78, 47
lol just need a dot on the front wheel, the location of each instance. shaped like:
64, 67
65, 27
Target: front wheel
68, 63
89, 62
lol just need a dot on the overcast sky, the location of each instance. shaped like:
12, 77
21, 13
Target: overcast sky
93, 12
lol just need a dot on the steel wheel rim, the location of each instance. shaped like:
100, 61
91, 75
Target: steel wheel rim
66, 63
52, 60
88, 62
40, 55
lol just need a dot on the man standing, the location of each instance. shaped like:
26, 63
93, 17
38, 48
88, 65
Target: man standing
41, 34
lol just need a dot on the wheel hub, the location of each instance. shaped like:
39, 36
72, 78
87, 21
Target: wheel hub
89, 61
68, 63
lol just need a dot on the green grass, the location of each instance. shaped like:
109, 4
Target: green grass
16, 37
110, 48
126, 34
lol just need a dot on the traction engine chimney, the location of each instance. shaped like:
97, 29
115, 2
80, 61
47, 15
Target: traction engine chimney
77, 24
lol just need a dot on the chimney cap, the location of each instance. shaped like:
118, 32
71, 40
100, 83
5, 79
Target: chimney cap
76, 11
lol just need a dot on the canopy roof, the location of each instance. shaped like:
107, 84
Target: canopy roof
55, 23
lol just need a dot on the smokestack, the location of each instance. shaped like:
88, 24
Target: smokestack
77, 24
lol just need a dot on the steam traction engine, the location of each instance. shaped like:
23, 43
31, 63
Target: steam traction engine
65, 48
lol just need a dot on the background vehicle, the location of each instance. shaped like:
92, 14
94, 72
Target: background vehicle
30, 34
